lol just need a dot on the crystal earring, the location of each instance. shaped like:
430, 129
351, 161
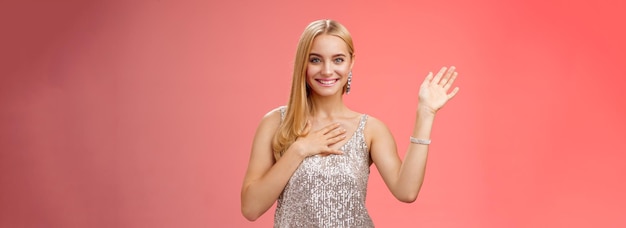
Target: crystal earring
349, 81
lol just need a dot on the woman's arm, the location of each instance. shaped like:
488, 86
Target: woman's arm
266, 179
404, 179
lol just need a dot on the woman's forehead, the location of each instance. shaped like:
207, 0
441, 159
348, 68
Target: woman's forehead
329, 44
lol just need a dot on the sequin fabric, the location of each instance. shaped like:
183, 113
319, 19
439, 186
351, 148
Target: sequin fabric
328, 191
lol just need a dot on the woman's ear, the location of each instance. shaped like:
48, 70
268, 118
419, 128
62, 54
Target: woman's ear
352, 63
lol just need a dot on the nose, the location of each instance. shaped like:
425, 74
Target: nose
328, 69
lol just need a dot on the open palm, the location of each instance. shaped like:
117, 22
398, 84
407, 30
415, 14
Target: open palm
433, 93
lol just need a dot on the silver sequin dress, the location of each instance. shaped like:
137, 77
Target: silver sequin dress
328, 191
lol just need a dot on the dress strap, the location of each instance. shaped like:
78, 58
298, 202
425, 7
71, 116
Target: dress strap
283, 109
362, 123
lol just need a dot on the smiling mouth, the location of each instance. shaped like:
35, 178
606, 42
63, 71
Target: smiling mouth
327, 82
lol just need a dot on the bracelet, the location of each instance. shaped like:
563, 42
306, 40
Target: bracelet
420, 141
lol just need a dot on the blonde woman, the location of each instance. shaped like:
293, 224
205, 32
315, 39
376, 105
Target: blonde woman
314, 154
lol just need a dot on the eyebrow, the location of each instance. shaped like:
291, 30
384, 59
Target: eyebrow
335, 55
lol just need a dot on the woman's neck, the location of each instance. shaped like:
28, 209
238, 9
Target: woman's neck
327, 106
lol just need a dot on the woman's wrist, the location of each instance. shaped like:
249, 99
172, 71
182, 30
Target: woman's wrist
425, 112
296, 149
424, 119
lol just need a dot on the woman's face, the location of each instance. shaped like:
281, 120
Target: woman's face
329, 65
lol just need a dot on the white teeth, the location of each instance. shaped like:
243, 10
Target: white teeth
327, 82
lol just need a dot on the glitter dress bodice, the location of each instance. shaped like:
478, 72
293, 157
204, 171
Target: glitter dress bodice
328, 191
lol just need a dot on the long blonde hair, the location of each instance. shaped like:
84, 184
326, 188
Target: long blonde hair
299, 101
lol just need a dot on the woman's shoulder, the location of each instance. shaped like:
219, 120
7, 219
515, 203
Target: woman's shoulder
375, 129
277, 111
375, 126
273, 117
374, 123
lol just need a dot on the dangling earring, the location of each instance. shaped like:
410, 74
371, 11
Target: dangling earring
349, 81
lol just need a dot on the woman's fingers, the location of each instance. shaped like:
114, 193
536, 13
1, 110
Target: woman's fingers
337, 138
326, 137
439, 75
336, 132
450, 81
335, 135
453, 93
447, 76
427, 80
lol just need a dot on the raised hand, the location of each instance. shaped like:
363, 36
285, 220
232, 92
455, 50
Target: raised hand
319, 142
433, 93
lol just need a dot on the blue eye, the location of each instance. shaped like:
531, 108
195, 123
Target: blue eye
339, 60
314, 60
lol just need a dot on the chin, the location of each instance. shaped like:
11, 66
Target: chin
327, 93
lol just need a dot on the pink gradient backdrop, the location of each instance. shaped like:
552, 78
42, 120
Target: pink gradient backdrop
141, 113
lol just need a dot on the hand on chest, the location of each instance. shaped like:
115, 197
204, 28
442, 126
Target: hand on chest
351, 124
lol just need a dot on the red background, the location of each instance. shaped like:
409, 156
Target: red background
141, 113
